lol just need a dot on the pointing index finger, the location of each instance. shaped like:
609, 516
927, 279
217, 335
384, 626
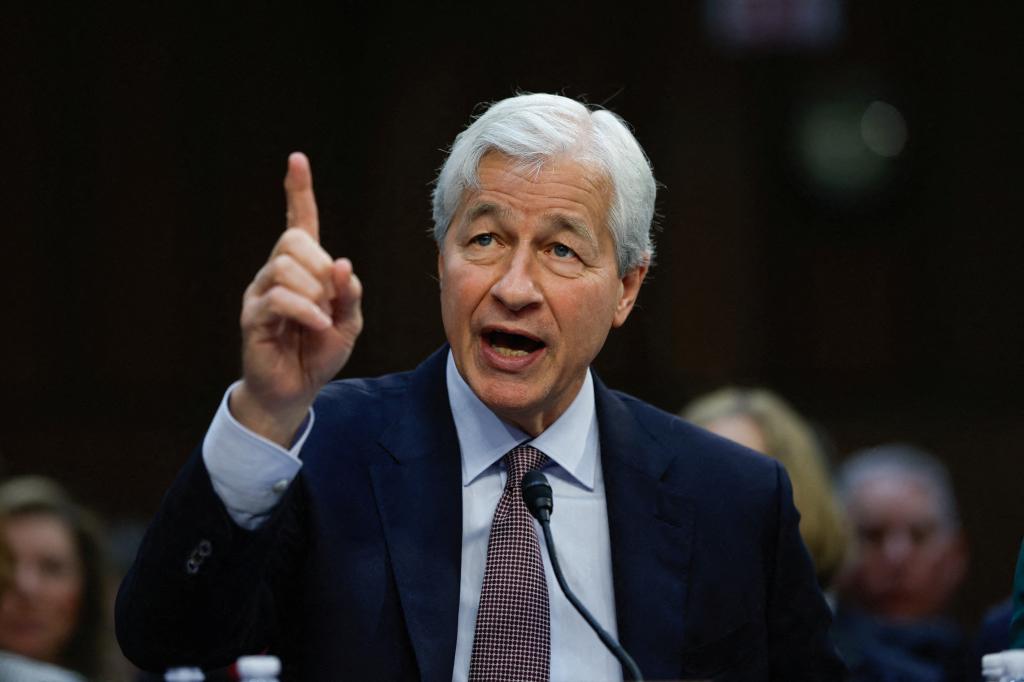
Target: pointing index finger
298, 192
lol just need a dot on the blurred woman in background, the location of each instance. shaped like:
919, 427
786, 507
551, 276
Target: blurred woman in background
762, 421
55, 606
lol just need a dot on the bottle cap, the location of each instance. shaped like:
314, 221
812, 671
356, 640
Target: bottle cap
258, 666
989, 660
1013, 659
184, 675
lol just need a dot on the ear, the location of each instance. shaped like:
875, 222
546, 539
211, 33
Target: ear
440, 267
630, 288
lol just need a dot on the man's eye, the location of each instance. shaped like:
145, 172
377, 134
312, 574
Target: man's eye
871, 535
562, 251
921, 533
483, 239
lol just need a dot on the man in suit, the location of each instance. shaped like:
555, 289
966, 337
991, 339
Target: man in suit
909, 556
348, 526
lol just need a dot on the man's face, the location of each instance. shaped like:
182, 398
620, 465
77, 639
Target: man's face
530, 286
908, 562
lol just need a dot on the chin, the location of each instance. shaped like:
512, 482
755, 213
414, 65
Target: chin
507, 399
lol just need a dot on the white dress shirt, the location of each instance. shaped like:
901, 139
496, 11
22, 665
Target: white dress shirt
249, 473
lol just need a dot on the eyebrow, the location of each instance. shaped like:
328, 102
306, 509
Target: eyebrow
559, 220
576, 226
487, 208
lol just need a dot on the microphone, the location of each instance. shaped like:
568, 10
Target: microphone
540, 501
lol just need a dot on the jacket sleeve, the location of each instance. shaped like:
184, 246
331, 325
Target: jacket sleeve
798, 616
202, 590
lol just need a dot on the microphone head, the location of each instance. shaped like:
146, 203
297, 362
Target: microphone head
537, 495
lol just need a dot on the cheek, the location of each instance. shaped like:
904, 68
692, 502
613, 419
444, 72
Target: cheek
872, 565
62, 600
8, 606
588, 314
462, 289
452, 312
931, 560
68, 598
65, 605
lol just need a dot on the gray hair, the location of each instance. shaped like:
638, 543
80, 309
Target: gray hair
900, 459
536, 128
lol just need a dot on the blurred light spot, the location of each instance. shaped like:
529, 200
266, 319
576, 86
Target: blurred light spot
833, 150
773, 24
883, 129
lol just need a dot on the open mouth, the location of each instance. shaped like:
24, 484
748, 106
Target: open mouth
512, 345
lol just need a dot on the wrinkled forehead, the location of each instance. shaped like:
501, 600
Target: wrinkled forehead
563, 175
535, 166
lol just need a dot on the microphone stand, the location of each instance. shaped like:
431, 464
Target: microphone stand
539, 500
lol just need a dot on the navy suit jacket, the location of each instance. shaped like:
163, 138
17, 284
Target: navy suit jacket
356, 573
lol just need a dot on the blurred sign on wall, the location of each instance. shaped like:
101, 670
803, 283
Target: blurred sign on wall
755, 25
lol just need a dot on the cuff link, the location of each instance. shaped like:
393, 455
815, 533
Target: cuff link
280, 486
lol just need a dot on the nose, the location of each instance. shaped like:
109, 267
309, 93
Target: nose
516, 286
897, 547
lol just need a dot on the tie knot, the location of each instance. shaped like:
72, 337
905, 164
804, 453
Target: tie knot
521, 459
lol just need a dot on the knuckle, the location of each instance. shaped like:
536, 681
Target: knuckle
323, 270
281, 263
247, 311
277, 297
294, 235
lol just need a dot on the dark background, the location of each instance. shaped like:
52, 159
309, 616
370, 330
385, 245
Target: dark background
144, 151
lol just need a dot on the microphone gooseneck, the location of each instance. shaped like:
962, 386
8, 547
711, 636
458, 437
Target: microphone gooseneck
540, 501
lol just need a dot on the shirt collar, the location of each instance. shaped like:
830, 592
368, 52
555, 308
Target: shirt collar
571, 441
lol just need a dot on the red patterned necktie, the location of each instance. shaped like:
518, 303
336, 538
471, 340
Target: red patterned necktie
512, 641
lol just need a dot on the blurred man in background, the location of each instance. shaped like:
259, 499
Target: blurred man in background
908, 558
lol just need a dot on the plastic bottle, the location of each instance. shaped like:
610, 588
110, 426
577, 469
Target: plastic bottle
992, 667
1013, 659
184, 675
258, 668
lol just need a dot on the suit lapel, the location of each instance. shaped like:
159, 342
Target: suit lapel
651, 530
419, 498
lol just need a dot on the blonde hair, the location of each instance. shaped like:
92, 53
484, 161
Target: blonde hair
791, 440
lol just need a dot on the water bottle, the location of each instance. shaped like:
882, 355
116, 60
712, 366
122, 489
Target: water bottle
184, 675
258, 668
992, 667
1013, 659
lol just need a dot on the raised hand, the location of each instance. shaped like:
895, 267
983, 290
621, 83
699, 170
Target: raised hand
300, 319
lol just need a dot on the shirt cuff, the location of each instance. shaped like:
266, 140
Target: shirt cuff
249, 473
